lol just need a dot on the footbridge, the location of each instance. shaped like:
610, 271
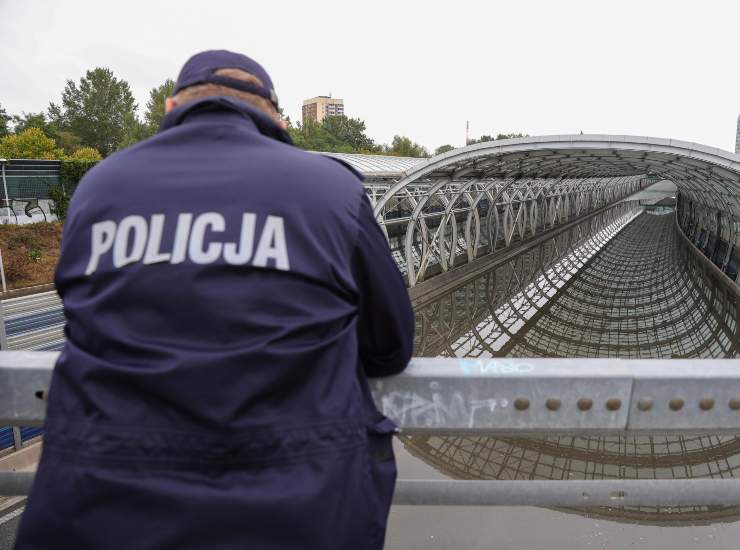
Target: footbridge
603, 247
523, 254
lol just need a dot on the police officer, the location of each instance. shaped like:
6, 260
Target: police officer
226, 295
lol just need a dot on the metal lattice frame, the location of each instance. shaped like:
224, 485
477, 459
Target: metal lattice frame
435, 225
458, 206
641, 297
478, 313
569, 277
647, 280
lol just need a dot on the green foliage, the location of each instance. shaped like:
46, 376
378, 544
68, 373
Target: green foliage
34, 255
511, 136
68, 142
134, 133
5, 118
60, 203
85, 154
70, 173
32, 143
350, 131
97, 116
155, 105
481, 139
29, 144
443, 149
24, 121
336, 134
402, 146
100, 110
485, 138
313, 136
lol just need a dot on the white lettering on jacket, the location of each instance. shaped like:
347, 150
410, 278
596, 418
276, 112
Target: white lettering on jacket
137, 239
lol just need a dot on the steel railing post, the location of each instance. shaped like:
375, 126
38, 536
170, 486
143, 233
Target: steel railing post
17, 439
5, 186
3, 335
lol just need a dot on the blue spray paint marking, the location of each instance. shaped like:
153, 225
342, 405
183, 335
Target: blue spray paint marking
472, 367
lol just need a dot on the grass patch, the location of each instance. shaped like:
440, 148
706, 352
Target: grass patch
30, 253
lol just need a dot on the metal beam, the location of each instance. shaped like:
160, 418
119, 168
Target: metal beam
498, 396
569, 493
567, 396
15, 483
506, 396
24, 381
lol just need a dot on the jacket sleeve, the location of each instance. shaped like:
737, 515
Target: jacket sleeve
386, 320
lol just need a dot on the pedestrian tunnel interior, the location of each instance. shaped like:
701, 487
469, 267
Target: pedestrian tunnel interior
574, 246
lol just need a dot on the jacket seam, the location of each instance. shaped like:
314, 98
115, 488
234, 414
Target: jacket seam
212, 462
358, 227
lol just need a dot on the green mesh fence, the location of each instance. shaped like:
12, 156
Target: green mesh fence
31, 179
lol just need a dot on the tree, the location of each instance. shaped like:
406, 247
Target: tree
29, 144
511, 136
4, 119
336, 134
481, 139
443, 149
155, 105
294, 132
135, 131
312, 136
68, 141
401, 146
349, 131
486, 137
24, 121
100, 110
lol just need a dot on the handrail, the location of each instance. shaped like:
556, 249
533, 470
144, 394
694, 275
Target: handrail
498, 396
710, 268
506, 397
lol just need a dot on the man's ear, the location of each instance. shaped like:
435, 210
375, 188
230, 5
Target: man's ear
169, 104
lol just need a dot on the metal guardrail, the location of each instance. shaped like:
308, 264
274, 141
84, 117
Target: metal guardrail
567, 396
507, 397
569, 493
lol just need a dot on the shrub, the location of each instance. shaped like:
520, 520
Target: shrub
72, 170
70, 173
29, 144
88, 154
60, 203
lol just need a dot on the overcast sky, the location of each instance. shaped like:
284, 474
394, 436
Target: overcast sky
648, 67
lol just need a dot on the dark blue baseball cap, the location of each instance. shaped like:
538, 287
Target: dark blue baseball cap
200, 69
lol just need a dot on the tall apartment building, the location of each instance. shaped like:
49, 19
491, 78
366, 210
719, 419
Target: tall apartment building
319, 107
737, 136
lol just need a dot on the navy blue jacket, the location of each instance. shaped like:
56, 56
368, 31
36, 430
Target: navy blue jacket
226, 294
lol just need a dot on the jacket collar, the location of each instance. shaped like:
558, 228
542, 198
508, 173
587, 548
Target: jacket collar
222, 105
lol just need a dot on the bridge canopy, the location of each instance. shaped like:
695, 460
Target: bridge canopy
474, 200
572, 246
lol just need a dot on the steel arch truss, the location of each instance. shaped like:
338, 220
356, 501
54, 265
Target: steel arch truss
459, 206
